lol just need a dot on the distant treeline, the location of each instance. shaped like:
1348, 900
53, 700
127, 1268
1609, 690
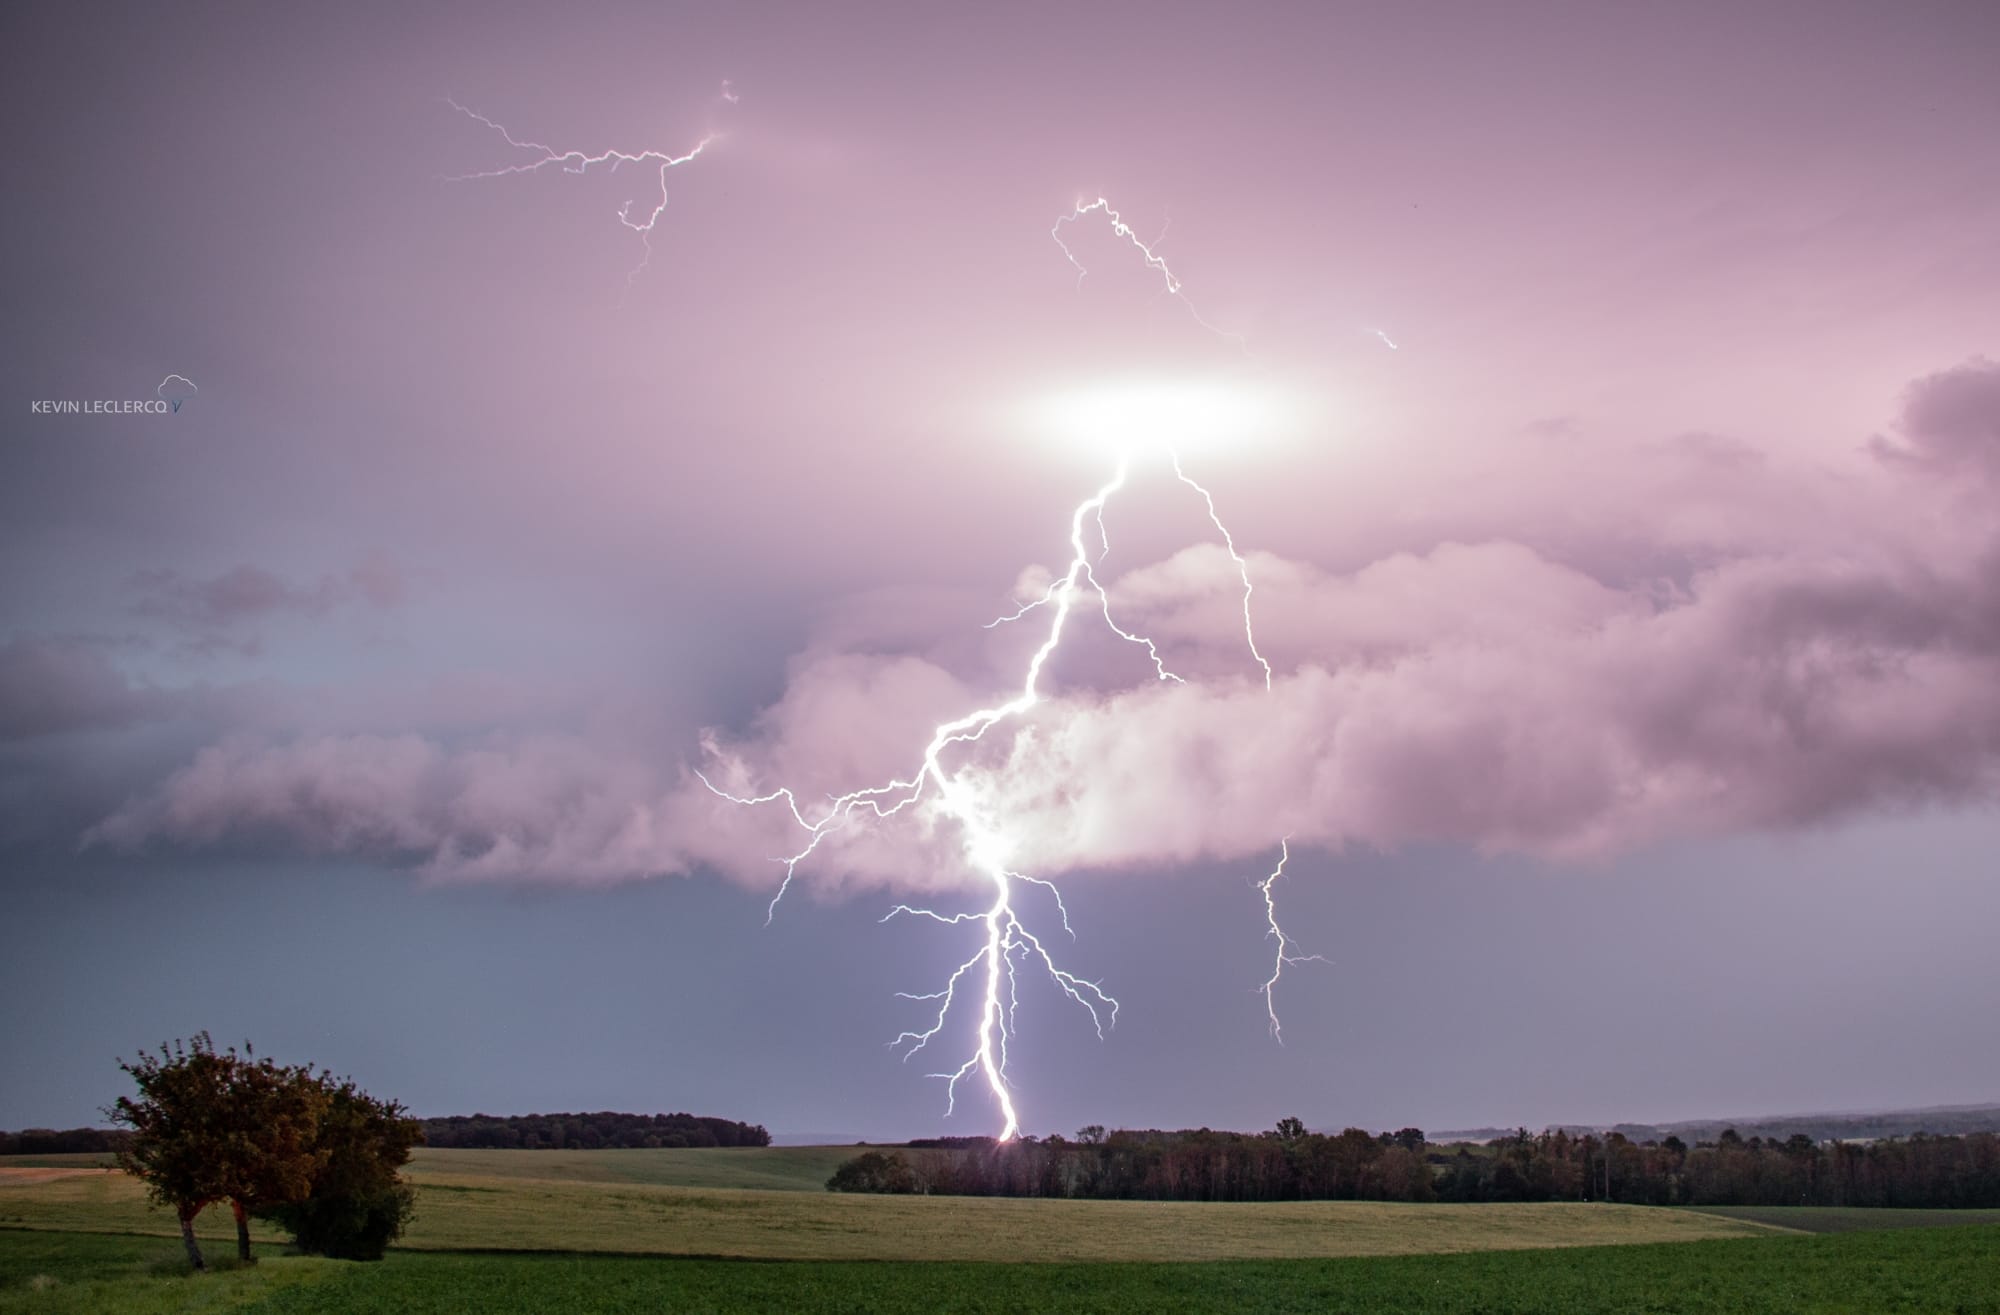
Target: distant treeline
588, 1132
1291, 1164
69, 1141
1941, 1120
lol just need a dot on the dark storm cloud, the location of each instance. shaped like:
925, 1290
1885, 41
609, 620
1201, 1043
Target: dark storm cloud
55, 686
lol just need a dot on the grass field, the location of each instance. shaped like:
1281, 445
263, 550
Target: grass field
1917, 1271
605, 1231
465, 1205
1838, 1219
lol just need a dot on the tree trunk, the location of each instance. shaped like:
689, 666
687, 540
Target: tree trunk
242, 1232
187, 1236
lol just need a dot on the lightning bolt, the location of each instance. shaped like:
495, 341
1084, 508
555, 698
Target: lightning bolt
1242, 566
1006, 942
1006, 938
1153, 259
1284, 954
1276, 932
578, 161
988, 978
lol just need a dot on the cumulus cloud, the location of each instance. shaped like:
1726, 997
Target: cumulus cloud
1951, 421
1483, 692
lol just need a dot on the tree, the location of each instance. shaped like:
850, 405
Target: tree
212, 1126
874, 1171
275, 1155
356, 1203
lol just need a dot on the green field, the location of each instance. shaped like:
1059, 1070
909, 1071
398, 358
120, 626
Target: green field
601, 1231
1843, 1219
466, 1204
1940, 1270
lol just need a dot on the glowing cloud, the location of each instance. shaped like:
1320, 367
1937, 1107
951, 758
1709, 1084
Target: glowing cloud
1142, 417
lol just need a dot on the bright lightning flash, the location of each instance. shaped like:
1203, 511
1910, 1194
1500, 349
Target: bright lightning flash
577, 161
1143, 420
1006, 942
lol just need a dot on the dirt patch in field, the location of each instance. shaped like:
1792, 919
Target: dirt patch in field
11, 1174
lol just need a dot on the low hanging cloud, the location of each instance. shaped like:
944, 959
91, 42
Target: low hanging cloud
55, 686
548, 805
1476, 693
252, 593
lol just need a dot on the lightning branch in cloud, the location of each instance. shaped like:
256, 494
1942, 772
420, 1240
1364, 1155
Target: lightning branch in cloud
1242, 566
641, 217
1147, 250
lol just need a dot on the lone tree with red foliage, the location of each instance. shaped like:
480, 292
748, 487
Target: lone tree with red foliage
211, 1125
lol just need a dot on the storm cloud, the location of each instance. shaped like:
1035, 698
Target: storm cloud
1480, 693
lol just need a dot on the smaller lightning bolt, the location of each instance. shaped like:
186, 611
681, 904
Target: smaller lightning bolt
577, 161
1242, 567
1387, 341
1152, 257
1284, 954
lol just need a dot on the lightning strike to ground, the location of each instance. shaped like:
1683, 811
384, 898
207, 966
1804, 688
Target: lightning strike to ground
579, 161
1006, 942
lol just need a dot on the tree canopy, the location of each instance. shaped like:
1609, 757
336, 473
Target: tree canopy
211, 1125
356, 1203
1293, 1163
314, 1152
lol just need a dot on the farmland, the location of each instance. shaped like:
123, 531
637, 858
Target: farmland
669, 1229
630, 1202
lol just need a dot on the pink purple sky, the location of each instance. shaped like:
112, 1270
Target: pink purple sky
1635, 620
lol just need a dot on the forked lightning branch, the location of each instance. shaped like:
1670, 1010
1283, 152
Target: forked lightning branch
1004, 942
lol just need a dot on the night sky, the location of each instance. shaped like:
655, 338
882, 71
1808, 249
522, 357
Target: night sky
1634, 618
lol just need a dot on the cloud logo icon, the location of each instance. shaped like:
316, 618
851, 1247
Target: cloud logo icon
175, 389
